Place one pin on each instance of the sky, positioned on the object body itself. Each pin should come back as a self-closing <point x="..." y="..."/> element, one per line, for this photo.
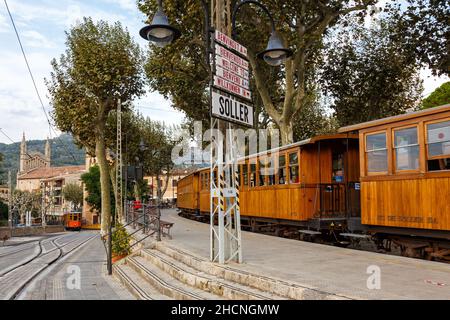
<point x="41" y="25"/>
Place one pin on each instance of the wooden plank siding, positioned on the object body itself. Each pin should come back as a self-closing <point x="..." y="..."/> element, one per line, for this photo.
<point x="411" y="198"/>
<point x="292" y="201"/>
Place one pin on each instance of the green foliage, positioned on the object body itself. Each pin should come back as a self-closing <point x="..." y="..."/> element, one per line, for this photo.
<point x="101" y="64"/>
<point x="73" y="192"/>
<point x="91" y="180"/>
<point x="424" y="26"/>
<point x="3" y="211"/>
<point x="369" y="74"/>
<point x="438" y="97"/>
<point x="120" y="241"/>
<point x="311" y="121"/>
<point x="179" y="71"/>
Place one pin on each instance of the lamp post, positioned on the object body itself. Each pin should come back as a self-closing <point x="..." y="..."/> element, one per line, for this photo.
<point x="276" y="53"/>
<point x="161" y="33"/>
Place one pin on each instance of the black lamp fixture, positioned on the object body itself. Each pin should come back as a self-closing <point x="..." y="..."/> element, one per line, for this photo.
<point x="160" y="32"/>
<point x="276" y="53"/>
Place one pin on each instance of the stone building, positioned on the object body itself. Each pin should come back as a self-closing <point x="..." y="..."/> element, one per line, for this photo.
<point x="37" y="175"/>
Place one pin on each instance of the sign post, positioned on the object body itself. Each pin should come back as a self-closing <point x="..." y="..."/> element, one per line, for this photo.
<point x="231" y="104"/>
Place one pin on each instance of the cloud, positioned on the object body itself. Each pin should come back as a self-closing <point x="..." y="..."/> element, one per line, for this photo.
<point x="35" y="39"/>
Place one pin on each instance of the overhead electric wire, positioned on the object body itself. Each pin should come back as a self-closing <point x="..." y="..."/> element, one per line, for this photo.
<point x="34" y="83"/>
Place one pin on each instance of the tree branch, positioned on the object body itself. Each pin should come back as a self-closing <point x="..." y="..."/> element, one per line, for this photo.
<point x="262" y="89"/>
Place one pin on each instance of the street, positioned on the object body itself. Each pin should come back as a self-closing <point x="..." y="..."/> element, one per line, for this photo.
<point x="69" y="265"/>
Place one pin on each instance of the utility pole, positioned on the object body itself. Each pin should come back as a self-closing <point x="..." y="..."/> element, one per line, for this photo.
<point x="10" y="222"/>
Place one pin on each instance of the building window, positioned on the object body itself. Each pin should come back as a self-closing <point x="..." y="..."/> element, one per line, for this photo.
<point x="376" y="153"/>
<point x="293" y="168"/>
<point x="282" y="169"/>
<point x="245" y="174"/>
<point x="406" y="149"/>
<point x="438" y="146"/>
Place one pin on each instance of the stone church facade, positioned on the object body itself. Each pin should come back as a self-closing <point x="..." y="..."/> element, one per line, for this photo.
<point x="37" y="175"/>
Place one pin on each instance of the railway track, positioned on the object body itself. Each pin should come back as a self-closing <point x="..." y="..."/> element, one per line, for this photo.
<point x="15" y="280"/>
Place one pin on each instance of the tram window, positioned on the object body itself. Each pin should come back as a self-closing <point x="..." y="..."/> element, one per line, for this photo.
<point x="293" y="168"/>
<point x="253" y="175"/>
<point x="376" y="152"/>
<point x="215" y="178"/>
<point x="282" y="169"/>
<point x="245" y="174"/>
<point x="271" y="170"/>
<point x="262" y="172"/>
<point x="438" y="146"/>
<point x="438" y="139"/>
<point x="406" y="149"/>
<point x="239" y="173"/>
<point x="338" y="167"/>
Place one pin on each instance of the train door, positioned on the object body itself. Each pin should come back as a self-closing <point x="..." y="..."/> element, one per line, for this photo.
<point x="344" y="175"/>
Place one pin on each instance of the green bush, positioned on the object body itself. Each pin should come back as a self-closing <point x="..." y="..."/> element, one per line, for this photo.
<point x="120" y="241"/>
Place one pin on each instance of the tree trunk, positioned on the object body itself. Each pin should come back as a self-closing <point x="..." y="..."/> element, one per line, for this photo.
<point x="286" y="132"/>
<point x="100" y="153"/>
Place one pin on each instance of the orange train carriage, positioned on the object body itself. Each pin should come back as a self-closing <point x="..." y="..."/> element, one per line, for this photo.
<point x="72" y="221"/>
<point x="389" y="179"/>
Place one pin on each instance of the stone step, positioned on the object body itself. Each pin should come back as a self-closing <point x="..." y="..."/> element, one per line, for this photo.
<point x="210" y="283"/>
<point x="277" y="287"/>
<point x="136" y="284"/>
<point x="166" y="284"/>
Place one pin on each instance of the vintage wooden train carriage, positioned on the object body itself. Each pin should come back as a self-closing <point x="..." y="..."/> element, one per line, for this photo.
<point x="405" y="173"/>
<point x="188" y="193"/>
<point x="313" y="183"/>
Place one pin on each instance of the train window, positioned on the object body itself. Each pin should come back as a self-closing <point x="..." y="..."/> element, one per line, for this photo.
<point x="438" y="139"/>
<point x="239" y="173"/>
<point x="252" y="174"/>
<point x="406" y="149"/>
<point x="262" y="171"/>
<point x="271" y="171"/>
<point x="376" y="152"/>
<point x="245" y="174"/>
<point x="282" y="169"/>
<point x="293" y="168"/>
<point x="438" y="146"/>
<point x="215" y="178"/>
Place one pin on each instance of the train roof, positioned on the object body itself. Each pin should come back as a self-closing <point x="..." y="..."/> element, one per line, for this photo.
<point x="406" y="116"/>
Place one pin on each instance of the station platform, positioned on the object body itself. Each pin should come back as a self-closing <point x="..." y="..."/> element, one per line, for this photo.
<point x="339" y="272"/>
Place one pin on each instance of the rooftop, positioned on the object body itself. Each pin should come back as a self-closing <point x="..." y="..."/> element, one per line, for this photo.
<point x="50" y="172"/>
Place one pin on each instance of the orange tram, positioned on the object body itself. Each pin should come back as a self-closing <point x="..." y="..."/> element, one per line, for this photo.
<point x="386" y="180"/>
<point x="72" y="221"/>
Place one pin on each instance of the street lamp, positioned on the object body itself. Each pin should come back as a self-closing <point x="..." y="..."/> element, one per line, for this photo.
<point x="160" y="32"/>
<point x="276" y="53"/>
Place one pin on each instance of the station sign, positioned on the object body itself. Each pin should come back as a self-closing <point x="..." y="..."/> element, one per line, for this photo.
<point x="231" y="82"/>
<point x="228" y="65"/>
<point x="230" y="43"/>
<point x="232" y="88"/>
<point x="227" y="193"/>
<point x="232" y="77"/>
<point x="230" y="109"/>
<point x="227" y="54"/>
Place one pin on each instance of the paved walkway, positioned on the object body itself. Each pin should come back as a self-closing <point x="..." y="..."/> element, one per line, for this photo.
<point x="332" y="269"/>
<point x="94" y="282"/>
